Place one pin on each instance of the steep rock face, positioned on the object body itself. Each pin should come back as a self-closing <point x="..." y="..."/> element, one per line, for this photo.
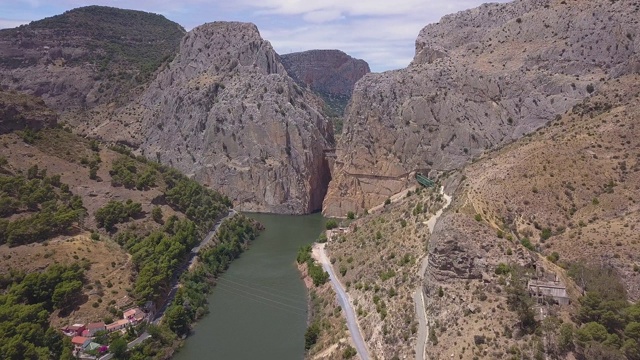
<point x="81" y="61"/>
<point x="331" y="73"/>
<point x="18" y="111"/>
<point x="226" y="112"/>
<point x="480" y="78"/>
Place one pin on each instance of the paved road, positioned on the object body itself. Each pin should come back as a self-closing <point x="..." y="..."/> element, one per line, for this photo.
<point x="320" y="255"/>
<point x="418" y="296"/>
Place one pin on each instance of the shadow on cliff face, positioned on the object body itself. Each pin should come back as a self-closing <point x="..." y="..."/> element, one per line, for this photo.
<point x="319" y="186"/>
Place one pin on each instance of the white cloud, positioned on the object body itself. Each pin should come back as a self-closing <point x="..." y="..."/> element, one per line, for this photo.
<point x="322" y="16"/>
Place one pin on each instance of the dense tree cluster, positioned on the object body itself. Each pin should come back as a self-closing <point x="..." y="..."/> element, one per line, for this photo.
<point x="124" y="172"/>
<point x="25" y="306"/>
<point x="317" y="274"/>
<point x="116" y="212"/>
<point x="233" y="237"/>
<point x="47" y="206"/>
<point x="610" y="325"/>
<point x="202" y="205"/>
<point x="158" y="255"/>
<point x="311" y="335"/>
<point x="190" y="302"/>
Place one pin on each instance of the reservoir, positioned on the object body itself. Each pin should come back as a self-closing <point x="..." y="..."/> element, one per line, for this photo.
<point x="258" y="309"/>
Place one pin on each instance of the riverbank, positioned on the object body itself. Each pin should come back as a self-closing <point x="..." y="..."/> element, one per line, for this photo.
<point x="258" y="307"/>
<point x="189" y="303"/>
<point x="327" y="336"/>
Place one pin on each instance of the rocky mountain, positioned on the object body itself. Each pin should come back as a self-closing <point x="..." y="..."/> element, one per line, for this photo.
<point x="20" y="111"/>
<point x="560" y="203"/>
<point x="226" y="112"/>
<point x="330" y="73"/>
<point x="480" y="79"/>
<point x="88" y="59"/>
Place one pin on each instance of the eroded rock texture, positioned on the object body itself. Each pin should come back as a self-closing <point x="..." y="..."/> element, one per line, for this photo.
<point x="480" y="78"/>
<point x="226" y="112"/>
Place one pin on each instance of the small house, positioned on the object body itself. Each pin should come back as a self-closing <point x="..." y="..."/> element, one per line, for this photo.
<point x="134" y="316"/>
<point x="73" y="330"/>
<point x="117" y="325"/>
<point x="93" y="328"/>
<point x="80" y="342"/>
<point x="541" y="289"/>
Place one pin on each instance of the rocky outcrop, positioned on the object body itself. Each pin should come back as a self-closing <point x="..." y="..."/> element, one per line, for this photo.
<point x="461" y="248"/>
<point x="480" y="78"/>
<point x="226" y="112"/>
<point x="19" y="111"/>
<point x="86" y="60"/>
<point x="330" y="73"/>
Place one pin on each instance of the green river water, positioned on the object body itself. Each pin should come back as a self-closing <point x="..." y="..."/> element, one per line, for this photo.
<point x="258" y="309"/>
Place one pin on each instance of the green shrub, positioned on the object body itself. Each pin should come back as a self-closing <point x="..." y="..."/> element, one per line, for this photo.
<point x="478" y="217"/>
<point x="331" y="224"/>
<point x="527" y="243"/>
<point x="311" y="335"/>
<point x="502" y="269"/>
<point x="156" y="214"/>
<point x="304" y="254"/>
<point x="317" y="274"/>
<point x="349" y="352"/>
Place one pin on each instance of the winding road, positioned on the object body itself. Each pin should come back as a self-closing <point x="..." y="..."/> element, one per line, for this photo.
<point x="320" y="255"/>
<point x="418" y="296"/>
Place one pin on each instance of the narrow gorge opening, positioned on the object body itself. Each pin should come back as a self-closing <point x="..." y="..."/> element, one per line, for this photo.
<point x="320" y="185"/>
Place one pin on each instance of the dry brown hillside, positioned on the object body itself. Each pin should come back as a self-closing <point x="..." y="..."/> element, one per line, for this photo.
<point x="570" y="191"/>
<point x="110" y="276"/>
<point x="378" y="258"/>
<point x="572" y="187"/>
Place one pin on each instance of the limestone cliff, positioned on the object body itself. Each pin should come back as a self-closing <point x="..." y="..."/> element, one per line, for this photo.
<point x="330" y="73"/>
<point x="226" y="112"/>
<point x="480" y="78"/>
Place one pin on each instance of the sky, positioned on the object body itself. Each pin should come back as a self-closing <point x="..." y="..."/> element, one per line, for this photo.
<point x="382" y="32"/>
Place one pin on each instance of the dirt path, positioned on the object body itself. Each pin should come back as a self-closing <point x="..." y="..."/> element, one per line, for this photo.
<point x="395" y="197"/>
<point x="320" y="255"/>
<point x="418" y="296"/>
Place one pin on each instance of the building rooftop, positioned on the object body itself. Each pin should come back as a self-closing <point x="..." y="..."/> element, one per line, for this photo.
<point x="79" y="340"/>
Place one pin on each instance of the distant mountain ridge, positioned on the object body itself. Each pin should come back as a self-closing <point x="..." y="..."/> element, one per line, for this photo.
<point x="86" y="58"/>
<point x="330" y="73"/>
